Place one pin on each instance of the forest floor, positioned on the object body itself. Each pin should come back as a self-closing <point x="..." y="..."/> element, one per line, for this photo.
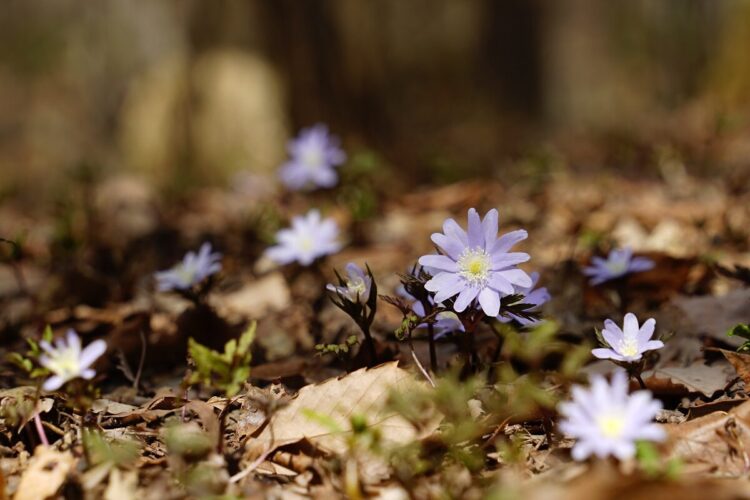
<point x="307" y="421"/>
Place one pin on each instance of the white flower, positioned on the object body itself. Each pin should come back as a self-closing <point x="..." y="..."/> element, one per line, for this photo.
<point x="606" y="420"/>
<point x="67" y="361"/>
<point x="309" y="237"/>
<point x="629" y="343"/>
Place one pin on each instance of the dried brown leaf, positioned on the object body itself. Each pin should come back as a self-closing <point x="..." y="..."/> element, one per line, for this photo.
<point x="359" y="393"/>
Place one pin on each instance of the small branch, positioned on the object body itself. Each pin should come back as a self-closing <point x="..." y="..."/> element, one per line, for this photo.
<point x="419" y="364"/>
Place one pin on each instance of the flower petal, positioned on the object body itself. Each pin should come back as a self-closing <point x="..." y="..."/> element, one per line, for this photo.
<point x="454" y="231"/>
<point x="489" y="229"/>
<point x="630" y="325"/>
<point x="490" y="302"/>
<point x="451" y="246"/>
<point x="465" y="297"/>
<point x="53" y="383"/>
<point x="506" y="241"/>
<point x="92" y="352"/>
<point x="646" y="331"/>
<point x="476" y="237"/>
<point x="442" y="262"/>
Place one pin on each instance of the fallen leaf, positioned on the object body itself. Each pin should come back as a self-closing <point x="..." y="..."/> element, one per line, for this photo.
<point x="719" y="441"/>
<point x="714" y="315"/>
<point x="45" y="474"/>
<point x="698" y="377"/>
<point x="255" y="299"/>
<point x="362" y="392"/>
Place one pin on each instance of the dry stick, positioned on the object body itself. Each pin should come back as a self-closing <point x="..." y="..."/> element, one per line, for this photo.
<point x="137" y="379"/>
<point x="419" y="364"/>
<point x="255" y="463"/>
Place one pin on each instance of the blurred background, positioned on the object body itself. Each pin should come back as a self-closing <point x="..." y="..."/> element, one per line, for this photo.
<point x="189" y="92"/>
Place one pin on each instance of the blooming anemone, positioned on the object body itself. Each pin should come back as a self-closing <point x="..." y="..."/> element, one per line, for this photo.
<point x="605" y="420"/>
<point x="357" y="285"/>
<point x="309" y="237"/>
<point x="314" y="156"/>
<point x="67" y="361"/>
<point x="629" y="343"/>
<point x="618" y="263"/>
<point x="194" y="268"/>
<point x="536" y="297"/>
<point x="475" y="264"/>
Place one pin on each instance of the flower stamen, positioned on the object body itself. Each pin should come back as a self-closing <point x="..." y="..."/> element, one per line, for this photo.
<point x="474" y="266"/>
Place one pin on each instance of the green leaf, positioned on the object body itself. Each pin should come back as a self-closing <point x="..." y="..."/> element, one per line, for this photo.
<point x="227" y="370"/>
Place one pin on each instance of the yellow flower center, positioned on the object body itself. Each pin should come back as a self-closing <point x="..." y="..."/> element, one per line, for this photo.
<point x="312" y="158"/>
<point x="474" y="266"/>
<point x="306" y="243"/>
<point x="356" y="287"/>
<point x="65" y="364"/>
<point x="617" y="267"/>
<point x="611" y="426"/>
<point x="629" y="347"/>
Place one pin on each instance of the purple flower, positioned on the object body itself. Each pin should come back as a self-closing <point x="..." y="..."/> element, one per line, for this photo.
<point x="445" y="322"/>
<point x="619" y="262"/>
<point x="314" y="156"/>
<point x="67" y="361"/>
<point x="630" y="343"/>
<point x="193" y="269"/>
<point x="536" y="297"/>
<point x="476" y="264"/>
<point x="606" y="420"/>
<point x="309" y="237"/>
<point x="357" y="287"/>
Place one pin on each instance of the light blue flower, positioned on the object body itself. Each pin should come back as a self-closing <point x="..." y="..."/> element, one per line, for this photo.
<point x="309" y="238"/>
<point x="629" y="343"/>
<point x="358" y="285"/>
<point x="618" y="263"/>
<point x="475" y="264"/>
<point x="67" y="361"/>
<point x="605" y="420"/>
<point x="536" y="297"/>
<point x="314" y="155"/>
<point x="194" y="268"/>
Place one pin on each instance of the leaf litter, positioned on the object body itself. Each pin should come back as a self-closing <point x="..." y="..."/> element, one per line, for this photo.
<point x="273" y="416"/>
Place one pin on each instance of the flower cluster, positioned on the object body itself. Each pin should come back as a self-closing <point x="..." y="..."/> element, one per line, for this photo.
<point x="475" y="264"/>
<point x="194" y="268"/>
<point x="605" y="420"/>
<point x="309" y="238"/>
<point x="618" y="263"/>
<point x="314" y="155"/>
<point x="67" y="361"/>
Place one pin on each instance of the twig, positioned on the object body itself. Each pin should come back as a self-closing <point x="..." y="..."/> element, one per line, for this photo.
<point x="256" y="463"/>
<point x="419" y="364"/>
<point x="137" y="379"/>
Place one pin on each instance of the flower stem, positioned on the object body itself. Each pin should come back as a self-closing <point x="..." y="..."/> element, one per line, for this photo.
<point x="40" y="429"/>
<point x="433" y="353"/>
